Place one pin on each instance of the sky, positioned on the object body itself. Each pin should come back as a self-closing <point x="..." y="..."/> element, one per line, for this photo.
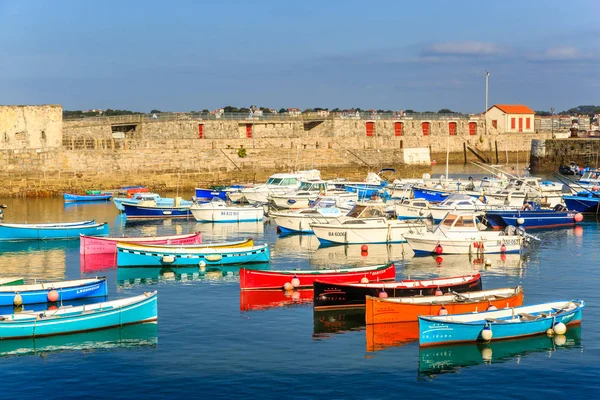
<point x="183" y="55"/>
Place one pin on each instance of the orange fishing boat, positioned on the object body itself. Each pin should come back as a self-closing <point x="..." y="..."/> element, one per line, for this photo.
<point x="407" y="309"/>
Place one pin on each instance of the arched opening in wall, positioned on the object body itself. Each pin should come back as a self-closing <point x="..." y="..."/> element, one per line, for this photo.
<point x="249" y="131"/>
<point x="425" y="128"/>
<point x="397" y="128"/>
<point x="370" y="128"/>
<point x="200" y="131"/>
<point x="452" y="128"/>
<point x="472" y="128"/>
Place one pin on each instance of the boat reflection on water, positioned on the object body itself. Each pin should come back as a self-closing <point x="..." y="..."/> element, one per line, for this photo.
<point x="90" y="263"/>
<point x="330" y="322"/>
<point x="35" y="259"/>
<point x="444" y="359"/>
<point x="127" y="277"/>
<point x="462" y="264"/>
<point x="126" y="337"/>
<point x="383" y="336"/>
<point x="291" y="249"/>
<point x="353" y="254"/>
<point x="216" y="232"/>
<point x="251" y="300"/>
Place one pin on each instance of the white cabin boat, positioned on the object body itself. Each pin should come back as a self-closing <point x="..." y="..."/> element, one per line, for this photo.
<point x="365" y="223"/>
<point x="324" y="209"/>
<point x="218" y="210"/>
<point x="518" y="189"/>
<point x="307" y="193"/>
<point x="277" y="184"/>
<point x="462" y="233"/>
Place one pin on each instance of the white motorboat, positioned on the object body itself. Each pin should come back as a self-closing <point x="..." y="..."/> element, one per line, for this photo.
<point x="324" y="209"/>
<point x="365" y="223"/>
<point x="519" y="189"/>
<point x="462" y="233"/>
<point x="307" y="193"/>
<point x="218" y="210"/>
<point x="277" y="184"/>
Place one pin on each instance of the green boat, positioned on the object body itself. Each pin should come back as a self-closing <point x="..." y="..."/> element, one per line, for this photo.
<point x="12" y="280"/>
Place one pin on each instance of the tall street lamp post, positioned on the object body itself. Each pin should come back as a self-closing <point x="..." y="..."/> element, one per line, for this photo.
<point x="552" y="121"/>
<point x="487" y="75"/>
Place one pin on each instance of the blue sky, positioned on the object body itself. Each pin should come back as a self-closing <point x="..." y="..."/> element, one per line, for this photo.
<point x="190" y="55"/>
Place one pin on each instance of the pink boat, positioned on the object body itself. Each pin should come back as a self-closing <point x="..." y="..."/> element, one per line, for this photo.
<point x="101" y="245"/>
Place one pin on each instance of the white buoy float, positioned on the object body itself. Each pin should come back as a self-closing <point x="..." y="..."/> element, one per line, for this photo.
<point x="520" y="221"/>
<point x="559" y="328"/>
<point x="492" y="308"/>
<point x="486" y="333"/>
<point x="443" y="311"/>
<point x="168" y="259"/>
<point x="383" y="294"/>
<point x="295" y="281"/>
<point x="364" y="279"/>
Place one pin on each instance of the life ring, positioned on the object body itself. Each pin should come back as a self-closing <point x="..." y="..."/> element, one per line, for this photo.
<point x="527" y="207"/>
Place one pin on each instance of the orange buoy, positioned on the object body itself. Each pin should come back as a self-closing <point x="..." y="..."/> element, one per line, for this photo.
<point x="53" y="296"/>
<point x="364" y="248"/>
<point x="578" y="217"/>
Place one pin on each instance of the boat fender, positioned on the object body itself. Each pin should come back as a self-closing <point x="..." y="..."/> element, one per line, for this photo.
<point x="288" y="287"/>
<point x="438" y="292"/>
<point x="443" y="311"/>
<point x="492" y="307"/>
<point x="578" y="217"/>
<point x="486" y="333"/>
<point x="559" y="328"/>
<point x="520" y="221"/>
<point x="202" y="264"/>
<point x="550" y="332"/>
<point x="439" y="249"/>
<point x="364" y="279"/>
<point x="502" y="248"/>
<point x="295" y="281"/>
<point x="17" y="300"/>
<point x="53" y="296"/>
<point x="168" y="259"/>
<point x="383" y="294"/>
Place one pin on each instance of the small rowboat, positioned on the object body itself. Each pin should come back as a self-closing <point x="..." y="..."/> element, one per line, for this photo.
<point x="11" y="281"/>
<point x="66" y="230"/>
<point x="407" y="309"/>
<point x="70" y="197"/>
<point x="341" y="295"/>
<point x="150" y="209"/>
<point x="133" y="255"/>
<point x="501" y="324"/>
<point x="89" y="317"/>
<point x="52" y="291"/>
<point x="98" y="245"/>
<point x="251" y="279"/>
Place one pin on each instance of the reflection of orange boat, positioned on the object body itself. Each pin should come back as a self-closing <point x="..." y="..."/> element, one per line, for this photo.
<point x="96" y="262"/>
<point x="382" y="336"/>
<point x="405" y="309"/>
<point x="264" y="299"/>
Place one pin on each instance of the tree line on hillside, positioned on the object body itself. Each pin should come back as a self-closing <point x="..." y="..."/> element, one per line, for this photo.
<point x="589" y="110"/>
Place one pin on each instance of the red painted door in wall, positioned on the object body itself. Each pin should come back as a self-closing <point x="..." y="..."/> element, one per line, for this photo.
<point x="200" y="131"/>
<point x="425" y="127"/>
<point x="472" y="128"/>
<point x="527" y="123"/>
<point x="452" y="128"/>
<point x="512" y="124"/>
<point x="398" y="128"/>
<point x="248" y="131"/>
<point x="370" y="127"/>
<point x="520" y="124"/>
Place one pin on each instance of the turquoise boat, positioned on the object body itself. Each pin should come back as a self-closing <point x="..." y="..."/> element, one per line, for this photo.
<point x="73" y="319"/>
<point x="507" y="323"/>
<point x="71" y="197"/>
<point x="443" y="359"/>
<point x="131" y="255"/>
<point x="61" y="230"/>
<point x="126" y="337"/>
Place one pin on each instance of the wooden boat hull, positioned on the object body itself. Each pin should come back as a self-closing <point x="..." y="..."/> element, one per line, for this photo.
<point x="16" y="232"/>
<point x="388" y="311"/>
<point x="343" y="295"/>
<point x="251" y="279"/>
<point x="66" y="290"/>
<point x="148" y="256"/>
<point x="70" y="197"/>
<point x="460" y="328"/>
<point x="102" y="245"/>
<point x="134" y="211"/>
<point x="90" y="317"/>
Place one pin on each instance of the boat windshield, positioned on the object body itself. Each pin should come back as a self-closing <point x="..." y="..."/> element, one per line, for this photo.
<point x="274" y="181"/>
<point x="356" y="211"/>
<point x="449" y="220"/>
<point x="465" y="221"/>
<point x="371" y="212"/>
<point x="288" y="182"/>
<point x="305" y="186"/>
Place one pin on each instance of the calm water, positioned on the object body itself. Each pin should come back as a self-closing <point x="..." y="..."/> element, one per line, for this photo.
<point x="204" y="345"/>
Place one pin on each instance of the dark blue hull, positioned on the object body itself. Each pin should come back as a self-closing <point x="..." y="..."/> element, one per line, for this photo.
<point x="531" y="219"/>
<point x="582" y="204"/>
<point x="431" y="195"/>
<point x="136" y="211"/>
<point x="202" y="193"/>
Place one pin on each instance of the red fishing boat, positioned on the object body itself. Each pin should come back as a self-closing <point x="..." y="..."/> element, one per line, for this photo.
<point x="257" y="280"/>
<point x="329" y="294"/>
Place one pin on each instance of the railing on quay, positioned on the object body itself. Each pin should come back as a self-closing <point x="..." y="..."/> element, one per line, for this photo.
<point x="367" y="116"/>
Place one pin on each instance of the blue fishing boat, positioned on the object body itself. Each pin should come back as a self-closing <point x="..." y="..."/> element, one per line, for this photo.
<point x="44" y="292"/>
<point x="432" y="195"/>
<point x="151" y="209"/>
<point x="66" y="230"/>
<point x="532" y="219"/>
<point x="131" y="255"/>
<point x="139" y="197"/>
<point x="89" y="317"/>
<point x="71" y="197"/>
<point x="586" y="201"/>
<point x="216" y="191"/>
<point x="507" y="323"/>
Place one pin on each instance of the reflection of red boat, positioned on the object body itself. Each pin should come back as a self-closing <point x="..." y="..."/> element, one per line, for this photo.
<point x="264" y="299"/>
<point x="252" y="279"/>
<point x="96" y="262"/>
<point x="382" y="336"/>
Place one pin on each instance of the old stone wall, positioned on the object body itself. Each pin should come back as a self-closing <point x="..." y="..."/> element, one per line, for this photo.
<point x="30" y="127"/>
<point x="548" y="155"/>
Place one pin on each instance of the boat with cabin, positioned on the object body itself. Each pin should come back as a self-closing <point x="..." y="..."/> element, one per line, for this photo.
<point x="136" y="198"/>
<point x="218" y="210"/>
<point x="276" y="184"/>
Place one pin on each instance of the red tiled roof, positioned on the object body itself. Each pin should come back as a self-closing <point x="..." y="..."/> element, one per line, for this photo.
<point x="513" y="108"/>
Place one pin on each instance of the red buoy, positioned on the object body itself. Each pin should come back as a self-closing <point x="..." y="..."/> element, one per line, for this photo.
<point x="439" y="249"/>
<point x="364" y="248"/>
<point x="52" y="296"/>
<point x="439" y="260"/>
<point x="578" y="217"/>
<point x="502" y="248"/>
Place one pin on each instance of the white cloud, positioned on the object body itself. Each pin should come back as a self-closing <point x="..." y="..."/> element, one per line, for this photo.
<point x="465" y="48"/>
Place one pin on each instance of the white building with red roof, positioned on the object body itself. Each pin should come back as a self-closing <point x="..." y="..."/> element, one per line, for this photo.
<point x="508" y="118"/>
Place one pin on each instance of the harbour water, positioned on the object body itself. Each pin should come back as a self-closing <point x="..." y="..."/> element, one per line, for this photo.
<point x="213" y="342"/>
